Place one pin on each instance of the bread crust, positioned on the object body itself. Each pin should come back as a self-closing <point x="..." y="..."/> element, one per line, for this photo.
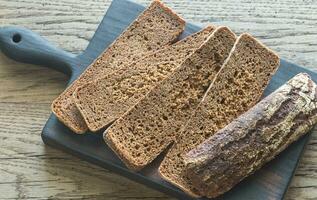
<point x="254" y="138"/>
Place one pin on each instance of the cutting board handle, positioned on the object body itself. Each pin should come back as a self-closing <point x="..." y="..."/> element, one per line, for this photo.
<point x="23" y="45"/>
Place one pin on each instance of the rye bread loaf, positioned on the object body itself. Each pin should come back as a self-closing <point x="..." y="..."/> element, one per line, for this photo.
<point x="237" y="87"/>
<point x="102" y="101"/>
<point x="146" y="130"/>
<point x="157" y="26"/>
<point x="254" y="138"/>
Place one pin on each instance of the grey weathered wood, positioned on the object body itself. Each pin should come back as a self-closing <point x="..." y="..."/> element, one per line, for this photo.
<point x="254" y="138"/>
<point x="289" y="27"/>
<point x="28" y="47"/>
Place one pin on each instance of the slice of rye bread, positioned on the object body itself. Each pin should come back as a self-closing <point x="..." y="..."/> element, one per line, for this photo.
<point x="238" y="86"/>
<point x="146" y="130"/>
<point x="157" y="26"/>
<point x="102" y="101"/>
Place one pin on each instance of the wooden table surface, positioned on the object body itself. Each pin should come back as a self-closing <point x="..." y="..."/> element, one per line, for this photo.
<point x="30" y="170"/>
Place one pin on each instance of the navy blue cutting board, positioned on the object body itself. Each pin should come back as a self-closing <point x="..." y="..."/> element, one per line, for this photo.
<point x="20" y="44"/>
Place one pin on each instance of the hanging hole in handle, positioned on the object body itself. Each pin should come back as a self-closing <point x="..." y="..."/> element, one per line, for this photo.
<point x="16" y="38"/>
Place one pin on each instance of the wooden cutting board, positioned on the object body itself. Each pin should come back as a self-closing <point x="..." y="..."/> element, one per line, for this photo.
<point x="271" y="182"/>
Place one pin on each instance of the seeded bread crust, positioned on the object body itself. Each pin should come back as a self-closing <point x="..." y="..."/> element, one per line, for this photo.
<point x="254" y="138"/>
<point x="157" y="26"/>
<point x="148" y="128"/>
<point x="238" y="86"/>
<point x="103" y="101"/>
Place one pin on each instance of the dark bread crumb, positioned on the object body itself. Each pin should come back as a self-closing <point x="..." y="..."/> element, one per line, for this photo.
<point x="157" y="26"/>
<point x="105" y="100"/>
<point x="238" y="86"/>
<point x="150" y="126"/>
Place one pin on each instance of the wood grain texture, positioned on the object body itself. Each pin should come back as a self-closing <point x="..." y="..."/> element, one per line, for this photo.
<point x="28" y="169"/>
